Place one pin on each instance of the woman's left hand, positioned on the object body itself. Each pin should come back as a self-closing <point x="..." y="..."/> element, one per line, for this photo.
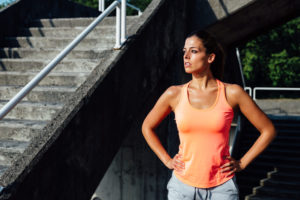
<point x="232" y="166"/>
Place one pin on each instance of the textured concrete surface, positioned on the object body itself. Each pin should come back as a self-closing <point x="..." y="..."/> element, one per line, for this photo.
<point x="233" y="22"/>
<point x="22" y="12"/>
<point x="280" y="107"/>
<point x="70" y="155"/>
<point x="19" y="65"/>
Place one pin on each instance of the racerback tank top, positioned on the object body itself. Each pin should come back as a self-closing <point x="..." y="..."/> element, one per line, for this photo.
<point x="204" y="139"/>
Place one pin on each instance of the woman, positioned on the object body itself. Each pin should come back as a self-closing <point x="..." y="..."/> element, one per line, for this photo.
<point x="203" y="107"/>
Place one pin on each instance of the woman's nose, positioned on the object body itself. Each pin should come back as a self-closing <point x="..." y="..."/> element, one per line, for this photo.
<point x="186" y="55"/>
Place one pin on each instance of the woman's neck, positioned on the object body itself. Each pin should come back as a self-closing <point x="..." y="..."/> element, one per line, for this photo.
<point x="202" y="81"/>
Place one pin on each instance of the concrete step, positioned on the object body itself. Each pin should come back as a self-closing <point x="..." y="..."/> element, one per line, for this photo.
<point x="13" y="146"/>
<point x="6" y="158"/>
<point x="280" y="159"/>
<point x="288" y="126"/>
<point x="275" y="145"/>
<point x="280" y="125"/>
<point x="36" y="65"/>
<point x="270" y="151"/>
<point x="284" y="176"/>
<point x="53" y="42"/>
<point x="10" y="149"/>
<point x="3" y="169"/>
<point x="287" y="135"/>
<point x="21" y="130"/>
<point x="292" y="184"/>
<point x="262" y="197"/>
<point x="32" y="111"/>
<point x="281" y="133"/>
<point x="66" y="31"/>
<point x="75" y="22"/>
<point x="70" y="79"/>
<point x="52" y="94"/>
<point x="282" y="167"/>
<point x="42" y="53"/>
<point x="277" y="192"/>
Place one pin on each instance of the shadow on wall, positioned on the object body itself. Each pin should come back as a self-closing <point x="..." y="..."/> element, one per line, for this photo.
<point x="207" y="14"/>
<point x="224" y="7"/>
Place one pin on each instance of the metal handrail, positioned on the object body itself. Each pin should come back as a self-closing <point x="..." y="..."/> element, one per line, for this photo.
<point x="101" y="7"/>
<point x="248" y="89"/>
<point x="135" y="8"/>
<point x="270" y="88"/>
<point x="29" y="86"/>
<point x="236" y="132"/>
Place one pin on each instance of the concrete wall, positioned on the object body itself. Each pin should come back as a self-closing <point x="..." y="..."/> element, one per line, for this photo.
<point x="73" y="152"/>
<point x="22" y="12"/>
<point x="235" y="21"/>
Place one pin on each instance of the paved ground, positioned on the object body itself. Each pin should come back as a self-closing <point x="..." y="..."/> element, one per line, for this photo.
<point x="280" y="107"/>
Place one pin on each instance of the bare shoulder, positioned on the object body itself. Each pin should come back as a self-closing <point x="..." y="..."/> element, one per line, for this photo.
<point x="234" y="93"/>
<point x="173" y="91"/>
<point x="233" y="90"/>
<point x="172" y="95"/>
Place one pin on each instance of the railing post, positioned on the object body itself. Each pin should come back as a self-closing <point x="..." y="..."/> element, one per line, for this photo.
<point x="101" y="5"/>
<point x="254" y="94"/>
<point x="118" y="27"/>
<point x="123" y="20"/>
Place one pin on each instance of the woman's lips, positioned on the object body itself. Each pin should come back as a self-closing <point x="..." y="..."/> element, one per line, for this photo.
<point x="187" y="64"/>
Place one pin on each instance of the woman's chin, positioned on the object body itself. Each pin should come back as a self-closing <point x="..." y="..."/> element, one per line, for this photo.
<point x="188" y="70"/>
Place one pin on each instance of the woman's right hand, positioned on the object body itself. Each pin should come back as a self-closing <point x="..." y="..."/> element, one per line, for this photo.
<point x="176" y="164"/>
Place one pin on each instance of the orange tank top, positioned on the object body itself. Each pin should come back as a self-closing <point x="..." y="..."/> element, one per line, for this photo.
<point x="204" y="139"/>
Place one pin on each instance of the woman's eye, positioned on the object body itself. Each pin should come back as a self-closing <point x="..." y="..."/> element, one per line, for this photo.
<point x="194" y="51"/>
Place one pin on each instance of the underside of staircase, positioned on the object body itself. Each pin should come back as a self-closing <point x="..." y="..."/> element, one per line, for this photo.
<point x="275" y="174"/>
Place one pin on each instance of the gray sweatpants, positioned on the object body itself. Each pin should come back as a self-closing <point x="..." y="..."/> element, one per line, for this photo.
<point x="180" y="191"/>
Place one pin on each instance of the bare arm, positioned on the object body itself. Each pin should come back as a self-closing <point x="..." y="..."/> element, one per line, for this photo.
<point x="162" y="108"/>
<point x="237" y="97"/>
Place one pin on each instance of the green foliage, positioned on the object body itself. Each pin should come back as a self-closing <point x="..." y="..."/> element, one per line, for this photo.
<point x="272" y="59"/>
<point x="141" y="4"/>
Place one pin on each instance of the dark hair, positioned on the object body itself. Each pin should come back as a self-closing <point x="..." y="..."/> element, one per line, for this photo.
<point x="212" y="46"/>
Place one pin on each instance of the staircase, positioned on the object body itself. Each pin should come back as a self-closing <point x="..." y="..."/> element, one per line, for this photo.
<point x="275" y="174"/>
<point x="23" y="55"/>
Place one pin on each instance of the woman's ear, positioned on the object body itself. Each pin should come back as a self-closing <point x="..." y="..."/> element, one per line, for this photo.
<point x="211" y="58"/>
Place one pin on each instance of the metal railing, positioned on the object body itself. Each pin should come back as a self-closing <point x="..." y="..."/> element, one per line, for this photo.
<point x="268" y="88"/>
<point x="120" y="7"/>
<point x="249" y="89"/>
<point x="102" y="7"/>
<point x="273" y="88"/>
<point x="135" y="8"/>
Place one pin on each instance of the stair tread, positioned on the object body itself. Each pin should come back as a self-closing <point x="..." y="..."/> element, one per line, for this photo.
<point x="55" y="38"/>
<point x="263" y="197"/>
<point x="292" y="175"/>
<point x="53" y="73"/>
<point x="67" y="28"/>
<point x="7" y="145"/>
<point x="35" y="104"/>
<point x="277" y="165"/>
<point x="274" y="191"/>
<point x="283" y="182"/>
<point x="40" y="88"/>
<point x="22" y="123"/>
<point x="46" y="61"/>
<point x="48" y="49"/>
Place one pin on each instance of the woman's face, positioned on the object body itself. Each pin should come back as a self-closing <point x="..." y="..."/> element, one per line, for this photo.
<point x="195" y="58"/>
